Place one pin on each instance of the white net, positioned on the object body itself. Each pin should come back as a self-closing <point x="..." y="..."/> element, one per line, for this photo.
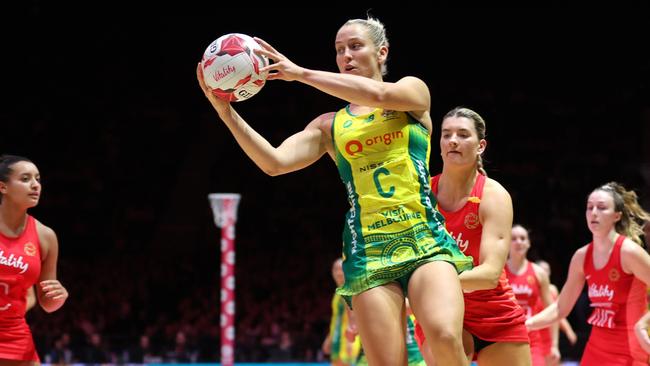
<point x="224" y="207"/>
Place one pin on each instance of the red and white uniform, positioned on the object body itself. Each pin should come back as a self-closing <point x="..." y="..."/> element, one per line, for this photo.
<point x="619" y="300"/>
<point x="527" y="290"/>
<point x="20" y="267"/>
<point x="491" y="315"/>
<point x="545" y="333"/>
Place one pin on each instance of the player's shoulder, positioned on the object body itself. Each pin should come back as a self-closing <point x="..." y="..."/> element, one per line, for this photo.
<point x="494" y="186"/>
<point x="629" y="246"/>
<point x="539" y="271"/>
<point x="44" y="231"/>
<point x="323" y="121"/>
<point x="495" y="192"/>
<point x="327" y="116"/>
<point x="413" y="80"/>
<point x="580" y="254"/>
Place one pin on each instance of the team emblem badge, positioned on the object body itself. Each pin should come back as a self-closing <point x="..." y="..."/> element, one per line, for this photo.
<point x="30" y="249"/>
<point x="471" y="221"/>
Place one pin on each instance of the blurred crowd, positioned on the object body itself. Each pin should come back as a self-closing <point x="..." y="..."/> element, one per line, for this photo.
<point x="137" y="308"/>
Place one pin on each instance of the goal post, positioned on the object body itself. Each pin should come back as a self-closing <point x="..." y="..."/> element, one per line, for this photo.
<point x="224" y="208"/>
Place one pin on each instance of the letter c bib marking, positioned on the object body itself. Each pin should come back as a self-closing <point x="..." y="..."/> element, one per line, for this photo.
<point x="380" y="190"/>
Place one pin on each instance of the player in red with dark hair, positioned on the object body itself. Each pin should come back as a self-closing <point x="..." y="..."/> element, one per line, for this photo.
<point x="478" y="214"/>
<point x="531" y="286"/>
<point x="617" y="271"/>
<point x="28" y="256"/>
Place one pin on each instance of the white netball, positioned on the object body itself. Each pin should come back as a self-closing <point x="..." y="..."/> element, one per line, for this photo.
<point x="231" y="68"/>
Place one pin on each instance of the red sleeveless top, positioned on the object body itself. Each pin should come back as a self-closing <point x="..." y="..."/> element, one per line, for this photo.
<point x="20" y="268"/>
<point x="492" y="315"/>
<point x="527" y="290"/>
<point x="618" y="300"/>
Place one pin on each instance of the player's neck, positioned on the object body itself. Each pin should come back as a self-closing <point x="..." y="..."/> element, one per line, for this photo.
<point x="457" y="182"/>
<point x="12" y="219"/>
<point x="516" y="264"/>
<point x="360" y="110"/>
<point x="605" y="241"/>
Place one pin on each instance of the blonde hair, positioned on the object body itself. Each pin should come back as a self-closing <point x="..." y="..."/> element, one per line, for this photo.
<point x="633" y="215"/>
<point x="377" y="34"/>
<point x="479" y="126"/>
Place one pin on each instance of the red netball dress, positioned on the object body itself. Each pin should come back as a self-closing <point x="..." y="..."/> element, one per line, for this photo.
<point x="491" y="315"/>
<point x="618" y="300"/>
<point x="20" y="267"/>
<point x="527" y="290"/>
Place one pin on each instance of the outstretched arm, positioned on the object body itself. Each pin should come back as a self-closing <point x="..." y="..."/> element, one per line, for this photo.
<point x="408" y="94"/>
<point x="495" y="213"/>
<point x="564" y="324"/>
<point x="296" y="152"/>
<point x="567" y="298"/>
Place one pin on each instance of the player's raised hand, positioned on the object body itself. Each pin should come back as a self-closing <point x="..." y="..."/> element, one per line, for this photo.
<point x="282" y="68"/>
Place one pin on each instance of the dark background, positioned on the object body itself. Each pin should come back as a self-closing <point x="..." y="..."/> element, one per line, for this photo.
<point x="107" y="105"/>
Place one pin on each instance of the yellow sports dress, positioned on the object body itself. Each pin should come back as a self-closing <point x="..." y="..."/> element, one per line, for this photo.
<point x="392" y="226"/>
<point x="341" y="349"/>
